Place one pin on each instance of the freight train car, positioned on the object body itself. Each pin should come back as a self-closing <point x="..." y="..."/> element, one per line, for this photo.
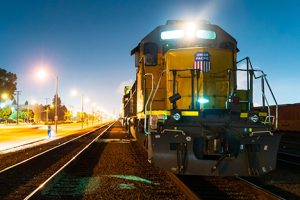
<point x="190" y="113"/>
<point x="288" y="117"/>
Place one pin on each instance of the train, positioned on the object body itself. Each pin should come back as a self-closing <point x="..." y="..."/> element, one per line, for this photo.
<point x="288" y="117"/>
<point x="187" y="109"/>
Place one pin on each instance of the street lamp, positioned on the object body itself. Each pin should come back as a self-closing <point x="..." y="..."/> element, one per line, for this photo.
<point x="83" y="100"/>
<point x="18" y="93"/>
<point x="93" y="107"/>
<point x="4" y="96"/>
<point x="42" y="74"/>
<point x="56" y="108"/>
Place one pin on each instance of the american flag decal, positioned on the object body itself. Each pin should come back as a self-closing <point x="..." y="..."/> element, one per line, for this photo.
<point x="202" y="61"/>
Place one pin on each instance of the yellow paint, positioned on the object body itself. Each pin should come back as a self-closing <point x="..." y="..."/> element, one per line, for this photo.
<point x="244" y="115"/>
<point x="212" y="84"/>
<point x="190" y="113"/>
<point x="154" y="113"/>
<point x="159" y="112"/>
<point x="140" y="116"/>
<point x="262" y="114"/>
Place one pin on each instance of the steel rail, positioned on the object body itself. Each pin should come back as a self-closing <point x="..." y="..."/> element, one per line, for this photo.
<point x="289" y="162"/>
<point x="65" y="165"/>
<point x="292" y="155"/>
<point x="267" y="192"/>
<point x="37" y="155"/>
<point x="184" y="188"/>
<point x="289" y="154"/>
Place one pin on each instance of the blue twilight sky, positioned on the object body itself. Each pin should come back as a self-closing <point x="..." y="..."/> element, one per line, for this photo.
<point x="87" y="43"/>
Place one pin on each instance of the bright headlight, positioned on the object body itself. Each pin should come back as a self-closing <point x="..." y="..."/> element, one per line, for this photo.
<point x="190" y="30"/>
<point x="206" y="34"/>
<point x="174" y="34"/>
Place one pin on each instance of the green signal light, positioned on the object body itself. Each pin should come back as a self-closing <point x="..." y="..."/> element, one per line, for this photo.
<point x="203" y="100"/>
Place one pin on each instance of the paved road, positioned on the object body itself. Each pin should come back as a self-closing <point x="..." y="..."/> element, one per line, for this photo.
<point x="12" y="136"/>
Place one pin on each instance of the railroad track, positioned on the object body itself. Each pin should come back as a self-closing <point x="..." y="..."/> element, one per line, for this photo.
<point x="20" y="179"/>
<point x="23" y="152"/>
<point x="289" y="158"/>
<point x="111" y="166"/>
<point x="289" y="149"/>
<point x="213" y="187"/>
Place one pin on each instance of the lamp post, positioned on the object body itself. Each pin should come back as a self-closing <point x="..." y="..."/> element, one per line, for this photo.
<point x="56" y="108"/>
<point x="82" y="111"/>
<point x="84" y="99"/>
<point x="93" y="106"/>
<point x="18" y="93"/>
<point x="42" y="74"/>
<point x="74" y="93"/>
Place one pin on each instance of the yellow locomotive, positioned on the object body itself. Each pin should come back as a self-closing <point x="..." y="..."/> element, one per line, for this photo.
<point x="187" y="110"/>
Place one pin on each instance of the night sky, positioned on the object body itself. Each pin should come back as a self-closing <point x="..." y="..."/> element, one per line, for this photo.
<point x="87" y="43"/>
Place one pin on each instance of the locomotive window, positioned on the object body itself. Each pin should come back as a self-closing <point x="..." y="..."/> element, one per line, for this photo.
<point x="150" y="52"/>
<point x="137" y="59"/>
<point x="206" y="34"/>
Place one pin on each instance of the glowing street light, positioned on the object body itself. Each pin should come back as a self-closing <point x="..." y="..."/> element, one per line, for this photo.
<point x="4" y="96"/>
<point x="74" y="92"/>
<point x="41" y="74"/>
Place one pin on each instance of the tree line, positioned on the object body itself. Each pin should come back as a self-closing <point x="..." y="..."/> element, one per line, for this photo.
<point x="8" y="86"/>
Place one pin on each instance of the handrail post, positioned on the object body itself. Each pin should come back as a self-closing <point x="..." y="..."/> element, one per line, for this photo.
<point x="263" y="81"/>
<point x="154" y="94"/>
<point x="145" y="110"/>
<point x="263" y="92"/>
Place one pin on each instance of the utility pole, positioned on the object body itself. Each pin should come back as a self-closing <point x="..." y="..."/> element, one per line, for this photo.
<point x="18" y="93"/>
<point x="82" y="111"/>
<point x="56" y="105"/>
<point x="27" y="112"/>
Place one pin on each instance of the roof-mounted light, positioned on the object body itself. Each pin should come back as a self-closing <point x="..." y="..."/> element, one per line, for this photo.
<point x="190" y="30"/>
<point x="206" y="34"/>
<point x="174" y="34"/>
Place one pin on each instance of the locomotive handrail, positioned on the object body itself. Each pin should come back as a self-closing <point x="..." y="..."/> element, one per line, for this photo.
<point x="276" y="104"/>
<point x="145" y="110"/>
<point x="269" y="118"/>
<point x="264" y="78"/>
<point x="154" y="94"/>
<point x="258" y="133"/>
<point x="130" y="98"/>
<point x="269" y="112"/>
<point x="174" y="130"/>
